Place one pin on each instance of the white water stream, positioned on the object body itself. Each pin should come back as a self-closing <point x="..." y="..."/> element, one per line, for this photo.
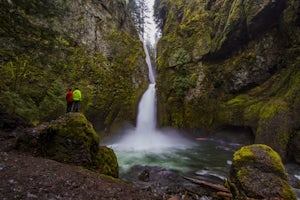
<point x="145" y="144"/>
<point x="146" y="136"/>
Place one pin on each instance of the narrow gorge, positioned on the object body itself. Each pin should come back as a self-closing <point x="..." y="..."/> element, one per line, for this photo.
<point x="173" y="88"/>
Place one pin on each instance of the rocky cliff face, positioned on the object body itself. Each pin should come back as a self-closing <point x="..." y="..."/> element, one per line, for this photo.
<point x="231" y="63"/>
<point x="48" y="47"/>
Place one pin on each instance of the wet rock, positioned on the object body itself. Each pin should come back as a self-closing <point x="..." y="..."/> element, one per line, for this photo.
<point x="70" y="139"/>
<point x="163" y="182"/>
<point x="145" y="175"/>
<point x="257" y="172"/>
<point x="294" y="149"/>
<point x="246" y="65"/>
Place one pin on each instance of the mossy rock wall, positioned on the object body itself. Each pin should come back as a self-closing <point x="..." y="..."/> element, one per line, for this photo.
<point x="294" y="153"/>
<point x="72" y="140"/>
<point x="257" y="172"/>
<point x="230" y="63"/>
<point x="49" y="47"/>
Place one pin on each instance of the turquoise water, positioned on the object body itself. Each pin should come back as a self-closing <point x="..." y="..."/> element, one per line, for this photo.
<point x="208" y="158"/>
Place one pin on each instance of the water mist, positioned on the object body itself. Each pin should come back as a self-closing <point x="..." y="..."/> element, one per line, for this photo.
<point x="146" y="136"/>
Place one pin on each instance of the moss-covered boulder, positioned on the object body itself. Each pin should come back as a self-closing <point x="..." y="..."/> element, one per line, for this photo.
<point x="70" y="139"/>
<point x="257" y="172"/>
<point x="107" y="162"/>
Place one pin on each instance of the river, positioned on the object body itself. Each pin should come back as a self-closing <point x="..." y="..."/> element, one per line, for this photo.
<point x="147" y="146"/>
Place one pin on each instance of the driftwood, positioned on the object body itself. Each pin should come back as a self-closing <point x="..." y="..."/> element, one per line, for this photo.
<point x="225" y="195"/>
<point x="215" y="187"/>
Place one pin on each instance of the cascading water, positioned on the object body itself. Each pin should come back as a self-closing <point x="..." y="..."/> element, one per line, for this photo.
<point x="146" y="136"/>
<point x="147" y="145"/>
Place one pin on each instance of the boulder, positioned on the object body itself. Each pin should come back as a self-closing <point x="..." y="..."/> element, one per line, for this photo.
<point x="164" y="182"/>
<point x="70" y="139"/>
<point x="257" y="172"/>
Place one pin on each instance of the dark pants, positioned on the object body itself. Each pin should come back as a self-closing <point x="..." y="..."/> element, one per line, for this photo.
<point x="69" y="106"/>
<point x="76" y="106"/>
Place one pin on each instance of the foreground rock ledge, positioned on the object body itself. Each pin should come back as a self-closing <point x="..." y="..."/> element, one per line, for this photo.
<point x="70" y="139"/>
<point x="28" y="177"/>
<point x="257" y="172"/>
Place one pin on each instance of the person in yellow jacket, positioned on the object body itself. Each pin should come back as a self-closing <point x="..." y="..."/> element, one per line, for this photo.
<point x="76" y="99"/>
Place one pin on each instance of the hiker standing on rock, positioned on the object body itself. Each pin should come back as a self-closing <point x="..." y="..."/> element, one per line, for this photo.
<point x="76" y="99"/>
<point x="69" y="99"/>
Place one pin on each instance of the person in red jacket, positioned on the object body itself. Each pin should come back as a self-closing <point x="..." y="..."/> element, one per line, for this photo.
<point x="69" y="99"/>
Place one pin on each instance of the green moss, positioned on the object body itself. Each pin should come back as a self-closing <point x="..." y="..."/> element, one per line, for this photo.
<point x="238" y="100"/>
<point x="273" y="107"/>
<point x="274" y="156"/>
<point x="251" y="113"/>
<point x="256" y="153"/>
<point x="72" y="140"/>
<point x="230" y="19"/>
<point x="75" y="127"/>
<point x="248" y="176"/>
<point x="39" y="44"/>
<point x="294" y="82"/>
<point x="241" y="110"/>
<point x="290" y="18"/>
<point x="243" y="154"/>
<point x="69" y="137"/>
<point x="106" y="160"/>
<point x="241" y="175"/>
<point x="180" y="57"/>
<point x="198" y="116"/>
<point x="78" y="126"/>
<point x="288" y="192"/>
<point x="229" y="93"/>
<point x="225" y="115"/>
<point x="257" y="171"/>
<point x="271" y="114"/>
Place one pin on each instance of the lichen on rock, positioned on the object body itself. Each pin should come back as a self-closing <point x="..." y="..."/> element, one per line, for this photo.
<point x="257" y="172"/>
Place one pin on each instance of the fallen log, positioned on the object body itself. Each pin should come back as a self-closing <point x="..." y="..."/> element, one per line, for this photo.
<point x="225" y="195"/>
<point x="215" y="187"/>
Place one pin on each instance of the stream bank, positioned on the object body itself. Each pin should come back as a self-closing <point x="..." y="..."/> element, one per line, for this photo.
<point x="209" y="159"/>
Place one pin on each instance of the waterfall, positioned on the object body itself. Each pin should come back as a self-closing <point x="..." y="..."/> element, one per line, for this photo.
<point x="146" y="136"/>
<point x="149" y="64"/>
<point x="146" y="119"/>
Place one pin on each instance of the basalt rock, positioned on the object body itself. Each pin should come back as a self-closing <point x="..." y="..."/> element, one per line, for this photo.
<point x="257" y="172"/>
<point x="231" y="63"/>
<point x="295" y="147"/>
<point x="164" y="182"/>
<point x="10" y="124"/>
<point x="70" y="139"/>
<point x="52" y="46"/>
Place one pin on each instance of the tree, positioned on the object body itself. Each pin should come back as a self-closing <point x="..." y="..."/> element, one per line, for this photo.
<point x="138" y="10"/>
